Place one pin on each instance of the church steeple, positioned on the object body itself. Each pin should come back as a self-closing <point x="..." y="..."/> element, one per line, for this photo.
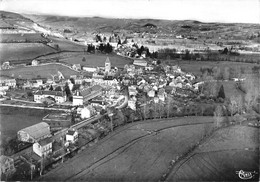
<point x="107" y="65"/>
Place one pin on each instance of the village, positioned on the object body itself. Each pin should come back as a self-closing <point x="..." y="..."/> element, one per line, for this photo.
<point x="88" y="107"/>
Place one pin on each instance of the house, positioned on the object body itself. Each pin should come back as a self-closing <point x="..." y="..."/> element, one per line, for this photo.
<point x="85" y="113"/>
<point x="140" y="63"/>
<point x="98" y="101"/>
<point x="89" y="69"/>
<point x="2" y="92"/>
<point x="7" y="81"/>
<point x="36" y="83"/>
<point x="132" y="90"/>
<point x="35" y="62"/>
<point x="34" y="133"/>
<point x="86" y="94"/>
<point x="58" y="121"/>
<point x="72" y="136"/>
<point x="151" y="93"/>
<point x="59" y="96"/>
<point x="43" y="147"/>
<point x="6" y="65"/>
<point x="161" y="94"/>
<point x="132" y="103"/>
<point x="76" y="67"/>
<point x="6" y="167"/>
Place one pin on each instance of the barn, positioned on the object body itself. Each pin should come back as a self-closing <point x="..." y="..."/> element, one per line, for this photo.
<point x="34" y="133"/>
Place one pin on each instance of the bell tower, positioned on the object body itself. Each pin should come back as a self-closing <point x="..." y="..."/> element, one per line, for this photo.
<point x="107" y="65"/>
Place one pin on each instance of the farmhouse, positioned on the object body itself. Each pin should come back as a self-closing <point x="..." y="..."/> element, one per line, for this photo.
<point x="43" y="147"/>
<point x="7" y="81"/>
<point x="6" y="166"/>
<point x="86" y="94"/>
<point x="76" y="67"/>
<point x="59" y="96"/>
<point x="34" y="133"/>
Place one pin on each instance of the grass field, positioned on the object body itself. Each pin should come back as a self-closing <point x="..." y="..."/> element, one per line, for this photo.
<point x="227" y="151"/>
<point x="13" y="119"/>
<point x="194" y="66"/>
<point x="132" y="152"/>
<point x="66" y="45"/>
<point x="91" y="59"/>
<point x="29" y="37"/>
<point x="22" y="51"/>
<point x="44" y="71"/>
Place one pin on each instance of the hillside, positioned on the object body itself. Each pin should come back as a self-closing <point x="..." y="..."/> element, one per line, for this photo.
<point x="138" y="151"/>
<point x="227" y="151"/>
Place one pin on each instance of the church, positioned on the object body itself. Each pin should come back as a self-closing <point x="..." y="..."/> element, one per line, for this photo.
<point x="107" y="65"/>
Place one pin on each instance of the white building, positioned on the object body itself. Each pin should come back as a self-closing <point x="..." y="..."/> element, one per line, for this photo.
<point x="72" y="136"/>
<point x="35" y="62"/>
<point x="85" y="113"/>
<point x="140" y="63"/>
<point x="89" y="69"/>
<point x="43" y="147"/>
<point x="59" y="96"/>
<point x="107" y="65"/>
<point x="7" y="81"/>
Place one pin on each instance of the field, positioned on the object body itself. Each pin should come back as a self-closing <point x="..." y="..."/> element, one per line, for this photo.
<point x="194" y="66"/>
<point x="91" y="59"/>
<point x="29" y="37"/>
<point x="16" y="52"/>
<point x="66" y="45"/>
<point x="13" y="119"/>
<point x="133" y="152"/>
<point x="44" y="71"/>
<point x="227" y="151"/>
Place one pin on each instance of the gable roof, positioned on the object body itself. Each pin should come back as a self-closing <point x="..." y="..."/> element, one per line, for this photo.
<point x="71" y="132"/>
<point x="107" y="60"/>
<point x="38" y="130"/>
<point x="45" y="141"/>
<point x="90" y="90"/>
<point x="48" y="92"/>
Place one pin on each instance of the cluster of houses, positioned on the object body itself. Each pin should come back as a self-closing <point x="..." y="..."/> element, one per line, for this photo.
<point x="97" y="92"/>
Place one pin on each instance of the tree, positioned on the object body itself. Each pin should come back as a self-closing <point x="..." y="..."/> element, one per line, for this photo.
<point x="83" y="59"/>
<point x="221" y="93"/>
<point x="57" y="47"/>
<point x="51" y="88"/>
<point x="232" y="105"/>
<point x="169" y="101"/>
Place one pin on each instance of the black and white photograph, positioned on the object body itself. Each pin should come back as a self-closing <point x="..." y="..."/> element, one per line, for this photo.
<point x="129" y="90"/>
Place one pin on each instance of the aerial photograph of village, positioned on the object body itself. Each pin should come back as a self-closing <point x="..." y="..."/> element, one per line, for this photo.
<point x="129" y="90"/>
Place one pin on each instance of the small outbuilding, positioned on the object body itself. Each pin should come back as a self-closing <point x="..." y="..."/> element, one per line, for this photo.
<point x="72" y="136"/>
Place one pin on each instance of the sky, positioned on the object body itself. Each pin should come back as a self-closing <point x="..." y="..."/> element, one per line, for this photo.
<point x="228" y="11"/>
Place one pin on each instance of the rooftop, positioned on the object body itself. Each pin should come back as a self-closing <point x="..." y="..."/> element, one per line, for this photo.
<point x="45" y="141"/>
<point x="37" y="130"/>
<point x="48" y="92"/>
